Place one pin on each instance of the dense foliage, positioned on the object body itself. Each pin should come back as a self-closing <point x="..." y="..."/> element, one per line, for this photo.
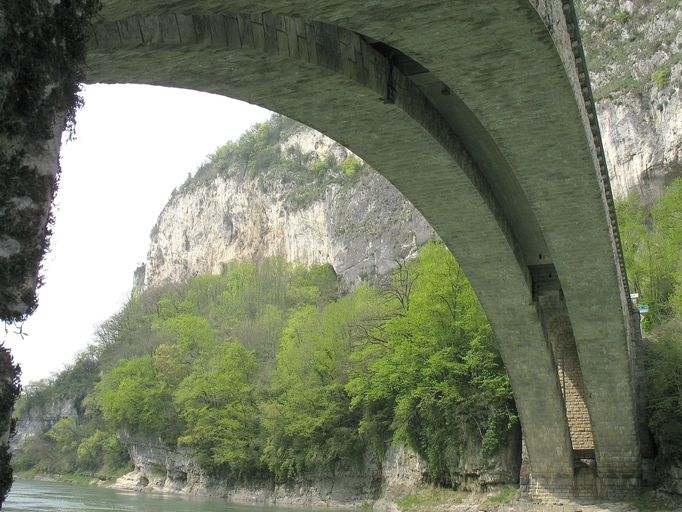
<point x="263" y="371"/>
<point x="431" y="374"/>
<point x="652" y="242"/>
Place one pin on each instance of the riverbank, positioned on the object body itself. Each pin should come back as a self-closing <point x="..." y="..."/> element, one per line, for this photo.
<point x="426" y="499"/>
<point x="69" y="478"/>
<point x="509" y="499"/>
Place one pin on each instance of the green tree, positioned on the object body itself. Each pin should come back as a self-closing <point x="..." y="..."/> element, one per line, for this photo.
<point x="308" y="420"/>
<point x="217" y="402"/>
<point x="90" y="452"/>
<point x="652" y="244"/>
<point x="432" y="370"/>
<point x="131" y="396"/>
<point x="65" y="436"/>
<point x="664" y="378"/>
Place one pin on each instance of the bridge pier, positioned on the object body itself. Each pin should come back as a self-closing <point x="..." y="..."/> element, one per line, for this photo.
<point x="592" y="477"/>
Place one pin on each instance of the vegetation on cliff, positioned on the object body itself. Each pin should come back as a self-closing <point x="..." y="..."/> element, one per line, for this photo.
<point x="631" y="46"/>
<point x="261" y="155"/>
<point x="265" y="372"/>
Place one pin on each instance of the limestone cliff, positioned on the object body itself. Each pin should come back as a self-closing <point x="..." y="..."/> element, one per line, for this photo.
<point x="634" y="52"/>
<point x="401" y="471"/>
<point x="39" y="419"/>
<point x="297" y="194"/>
<point x="158" y="468"/>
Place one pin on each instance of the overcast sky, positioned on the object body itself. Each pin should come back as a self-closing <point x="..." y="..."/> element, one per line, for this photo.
<point x="133" y="145"/>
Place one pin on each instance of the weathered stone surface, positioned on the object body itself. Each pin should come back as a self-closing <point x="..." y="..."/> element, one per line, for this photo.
<point x="158" y="468"/>
<point x="24" y="217"/>
<point x="40" y="419"/>
<point x="640" y="114"/>
<point x="642" y="140"/>
<point x="472" y="471"/>
<point x="403" y="471"/>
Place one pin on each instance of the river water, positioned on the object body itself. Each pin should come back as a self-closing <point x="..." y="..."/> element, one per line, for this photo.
<point x="37" y="496"/>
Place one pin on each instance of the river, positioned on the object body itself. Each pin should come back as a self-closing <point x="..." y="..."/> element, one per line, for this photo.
<point x="38" y="496"/>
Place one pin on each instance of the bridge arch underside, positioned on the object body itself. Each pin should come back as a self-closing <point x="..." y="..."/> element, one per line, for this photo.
<point x="483" y="135"/>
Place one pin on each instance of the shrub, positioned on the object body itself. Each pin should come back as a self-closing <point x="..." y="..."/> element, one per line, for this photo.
<point x="351" y="166"/>
<point x="622" y="16"/>
<point x="661" y="77"/>
<point x="664" y="379"/>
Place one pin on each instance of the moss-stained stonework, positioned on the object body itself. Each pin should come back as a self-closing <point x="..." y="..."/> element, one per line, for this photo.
<point x="42" y="54"/>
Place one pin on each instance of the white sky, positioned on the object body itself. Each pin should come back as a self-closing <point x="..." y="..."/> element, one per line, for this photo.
<point x="133" y="145"/>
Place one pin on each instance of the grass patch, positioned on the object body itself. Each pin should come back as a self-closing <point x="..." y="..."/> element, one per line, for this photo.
<point x="67" y="478"/>
<point x="622" y="16"/>
<point x="505" y="495"/>
<point x="429" y="499"/>
<point x="652" y="503"/>
<point x="661" y="77"/>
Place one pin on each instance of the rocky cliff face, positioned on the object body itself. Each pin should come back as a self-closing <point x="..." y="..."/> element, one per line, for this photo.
<point x="312" y="203"/>
<point x="40" y="419"/>
<point x="158" y="468"/>
<point x="402" y="471"/>
<point x="634" y="52"/>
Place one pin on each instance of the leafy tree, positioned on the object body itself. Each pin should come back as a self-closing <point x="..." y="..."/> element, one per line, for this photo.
<point x="652" y="243"/>
<point x="132" y="397"/>
<point x="432" y="369"/>
<point x="102" y="450"/>
<point x="65" y="438"/>
<point x="262" y="335"/>
<point x="192" y="333"/>
<point x="131" y="332"/>
<point x="668" y="217"/>
<point x="217" y="402"/>
<point x="664" y="378"/>
<point x="90" y="452"/>
<point x="308" y="421"/>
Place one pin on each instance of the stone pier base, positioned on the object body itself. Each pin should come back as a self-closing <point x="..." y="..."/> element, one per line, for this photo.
<point x="584" y="485"/>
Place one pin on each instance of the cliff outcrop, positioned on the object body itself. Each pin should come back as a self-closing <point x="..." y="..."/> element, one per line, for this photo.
<point x="400" y="472"/>
<point x="633" y="50"/>
<point x="39" y="419"/>
<point x="311" y="201"/>
<point x="160" y="469"/>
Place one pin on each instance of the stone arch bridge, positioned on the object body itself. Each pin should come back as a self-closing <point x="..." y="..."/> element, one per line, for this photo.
<point x="481" y="114"/>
